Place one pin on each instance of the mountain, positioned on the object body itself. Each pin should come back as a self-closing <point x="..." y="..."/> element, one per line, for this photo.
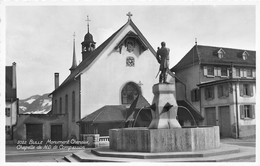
<point x="36" y="104"/>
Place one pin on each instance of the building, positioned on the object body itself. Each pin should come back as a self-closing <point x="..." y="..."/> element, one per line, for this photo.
<point x="11" y="100"/>
<point x="114" y="73"/>
<point x="221" y="83"/>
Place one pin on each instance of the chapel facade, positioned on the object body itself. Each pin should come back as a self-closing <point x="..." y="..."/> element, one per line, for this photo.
<point x="114" y="73"/>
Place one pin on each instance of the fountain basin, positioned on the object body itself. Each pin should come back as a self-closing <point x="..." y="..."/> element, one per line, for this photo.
<point x="164" y="140"/>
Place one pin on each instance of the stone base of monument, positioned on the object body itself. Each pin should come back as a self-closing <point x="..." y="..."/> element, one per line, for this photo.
<point x="164" y="140"/>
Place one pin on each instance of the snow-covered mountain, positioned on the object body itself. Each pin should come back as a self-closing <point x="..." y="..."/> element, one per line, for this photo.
<point x="36" y="104"/>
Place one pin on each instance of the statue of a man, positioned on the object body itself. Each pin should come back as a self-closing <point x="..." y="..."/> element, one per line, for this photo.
<point x="162" y="57"/>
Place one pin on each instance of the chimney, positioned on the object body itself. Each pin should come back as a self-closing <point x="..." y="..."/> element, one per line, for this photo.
<point x="56" y="80"/>
<point x="14" y="76"/>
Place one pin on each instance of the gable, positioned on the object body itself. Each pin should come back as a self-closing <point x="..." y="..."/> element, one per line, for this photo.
<point x="127" y="30"/>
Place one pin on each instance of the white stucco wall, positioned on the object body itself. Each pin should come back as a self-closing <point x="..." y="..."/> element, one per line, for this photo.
<point x="13" y="113"/>
<point x="101" y="84"/>
<point x="190" y="77"/>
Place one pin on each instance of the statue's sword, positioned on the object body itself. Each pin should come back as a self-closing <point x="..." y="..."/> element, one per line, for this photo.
<point x="157" y="73"/>
<point x="168" y="71"/>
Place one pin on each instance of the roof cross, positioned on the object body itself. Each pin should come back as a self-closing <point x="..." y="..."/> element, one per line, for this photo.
<point x="74" y="35"/>
<point x="88" y="22"/>
<point x="129" y="14"/>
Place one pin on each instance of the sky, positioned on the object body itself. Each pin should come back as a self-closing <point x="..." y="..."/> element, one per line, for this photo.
<point x="39" y="38"/>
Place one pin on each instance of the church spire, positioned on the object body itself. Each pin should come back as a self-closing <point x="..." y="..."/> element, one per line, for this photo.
<point x="74" y="61"/>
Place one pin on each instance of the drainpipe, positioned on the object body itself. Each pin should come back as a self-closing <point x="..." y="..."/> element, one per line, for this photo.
<point x="237" y="110"/>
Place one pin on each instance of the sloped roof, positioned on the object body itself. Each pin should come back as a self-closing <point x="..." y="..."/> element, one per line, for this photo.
<point x="208" y="55"/>
<point x="90" y="58"/>
<point x="138" y="103"/>
<point x="106" y="114"/>
<point x="183" y="114"/>
<point x="9" y="91"/>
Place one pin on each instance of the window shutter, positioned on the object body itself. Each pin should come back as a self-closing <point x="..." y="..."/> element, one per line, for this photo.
<point x="242" y="112"/>
<point x="205" y="70"/>
<point x="241" y="73"/>
<point x="206" y="93"/>
<point x="234" y="72"/>
<point x="198" y="95"/>
<point x="251" y="89"/>
<point x="226" y="90"/>
<point x="213" y="94"/>
<point x="219" y="91"/>
<point x="253" y="73"/>
<point x="215" y="71"/>
<point x="192" y="95"/>
<point x="245" y="75"/>
<point x="252" y="111"/>
<point x="219" y="71"/>
<point x="241" y="90"/>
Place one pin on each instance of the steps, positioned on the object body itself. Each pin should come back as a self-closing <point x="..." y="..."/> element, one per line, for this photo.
<point x="104" y="154"/>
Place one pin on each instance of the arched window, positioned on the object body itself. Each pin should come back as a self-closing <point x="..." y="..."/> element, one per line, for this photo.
<point x="73" y="106"/>
<point x="66" y="104"/>
<point x="60" y="105"/>
<point x="129" y="93"/>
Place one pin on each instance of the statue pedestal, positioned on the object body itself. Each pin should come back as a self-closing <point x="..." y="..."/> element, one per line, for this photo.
<point x="141" y="139"/>
<point x="165" y="111"/>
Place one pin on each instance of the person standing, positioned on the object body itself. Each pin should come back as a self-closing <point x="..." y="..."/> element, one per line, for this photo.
<point x="162" y="57"/>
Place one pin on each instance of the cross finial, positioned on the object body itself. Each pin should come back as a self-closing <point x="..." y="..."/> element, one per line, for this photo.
<point x="195" y="41"/>
<point x="129" y="14"/>
<point x="88" y="22"/>
<point x="74" y="35"/>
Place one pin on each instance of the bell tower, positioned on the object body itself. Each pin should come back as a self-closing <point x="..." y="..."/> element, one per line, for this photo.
<point x="88" y="45"/>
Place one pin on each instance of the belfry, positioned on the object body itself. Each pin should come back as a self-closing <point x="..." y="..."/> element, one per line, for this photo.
<point x="88" y="45"/>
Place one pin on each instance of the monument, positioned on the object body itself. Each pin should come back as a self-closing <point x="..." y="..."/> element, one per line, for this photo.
<point x="164" y="134"/>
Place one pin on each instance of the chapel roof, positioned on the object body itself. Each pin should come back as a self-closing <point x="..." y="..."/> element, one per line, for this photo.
<point x="209" y="55"/>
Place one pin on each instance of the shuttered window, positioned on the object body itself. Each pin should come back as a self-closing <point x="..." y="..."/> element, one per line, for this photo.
<point x="223" y="91"/>
<point x="195" y="95"/>
<point x="209" y="93"/>
<point x="249" y="73"/>
<point x="247" y="111"/>
<point x="237" y="72"/>
<point x="224" y="71"/>
<point x="246" y="90"/>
